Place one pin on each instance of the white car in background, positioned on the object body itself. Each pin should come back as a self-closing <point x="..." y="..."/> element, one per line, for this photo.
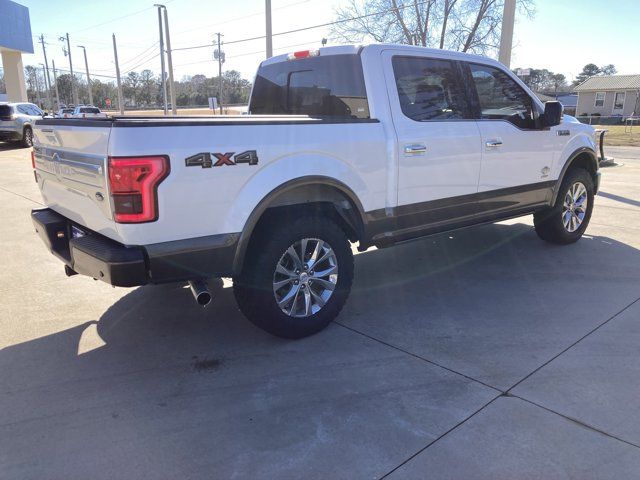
<point x="64" y="112"/>
<point x="87" y="111"/>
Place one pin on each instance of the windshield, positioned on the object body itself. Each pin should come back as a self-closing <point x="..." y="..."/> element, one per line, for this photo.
<point x="89" y="110"/>
<point x="316" y="86"/>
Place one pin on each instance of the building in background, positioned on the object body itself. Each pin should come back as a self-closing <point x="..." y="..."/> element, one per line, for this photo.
<point x="15" y="39"/>
<point x="609" y="96"/>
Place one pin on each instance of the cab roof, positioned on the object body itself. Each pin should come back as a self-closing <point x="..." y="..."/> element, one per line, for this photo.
<point x="379" y="47"/>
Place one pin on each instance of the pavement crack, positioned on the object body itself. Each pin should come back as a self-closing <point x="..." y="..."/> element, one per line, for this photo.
<point x="435" y="364"/>
<point x="460" y="423"/>
<point x="576" y="421"/>
<point x="20" y="195"/>
<point x="593" y="330"/>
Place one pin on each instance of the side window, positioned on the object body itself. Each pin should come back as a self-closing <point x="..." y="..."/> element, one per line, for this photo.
<point x="429" y="89"/>
<point x="23" y="109"/>
<point x="501" y="98"/>
<point x="599" y="99"/>
<point x="33" y="110"/>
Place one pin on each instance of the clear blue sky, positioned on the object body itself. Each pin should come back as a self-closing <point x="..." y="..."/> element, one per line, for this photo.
<point x="563" y="36"/>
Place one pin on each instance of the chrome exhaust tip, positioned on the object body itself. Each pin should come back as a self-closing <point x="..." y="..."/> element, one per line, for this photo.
<point x="200" y="292"/>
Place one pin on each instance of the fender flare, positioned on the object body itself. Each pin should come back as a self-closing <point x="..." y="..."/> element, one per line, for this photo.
<point x="576" y="153"/>
<point x="286" y="187"/>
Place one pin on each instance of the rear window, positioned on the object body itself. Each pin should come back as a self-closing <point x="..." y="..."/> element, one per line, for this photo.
<point x="89" y="110"/>
<point x="67" y="110"/>
<point x="316" y="86"/>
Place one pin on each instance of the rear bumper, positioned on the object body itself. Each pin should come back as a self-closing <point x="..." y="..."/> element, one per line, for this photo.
<point x="10" y="134"/>
<point x="104" y="259"/>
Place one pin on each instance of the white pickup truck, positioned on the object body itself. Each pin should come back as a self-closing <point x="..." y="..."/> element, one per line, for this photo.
<point x="376" y="145"/>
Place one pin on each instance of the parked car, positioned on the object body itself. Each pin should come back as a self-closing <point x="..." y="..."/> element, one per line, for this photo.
<point x="16" y="122"/>
<point x="87" y="111"/>
<point x="376" y="145"/>
<point x="64" y="113"/>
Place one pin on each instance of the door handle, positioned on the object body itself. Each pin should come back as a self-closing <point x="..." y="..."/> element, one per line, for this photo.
<point x="493" y="143"/>
<point x="415" y="149"/>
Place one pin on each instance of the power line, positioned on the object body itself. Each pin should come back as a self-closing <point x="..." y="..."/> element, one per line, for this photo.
<point x="239" y="18"/>
<point x="138" y="56"/>
<point x="335" y="22"/>
<point x="93" y="74"/>
<point x="153" y="57"/>
<point x="244" y="54"/>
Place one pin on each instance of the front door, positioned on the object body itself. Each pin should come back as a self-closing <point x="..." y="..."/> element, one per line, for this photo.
<point x="517" y="154"/>
<point x="437" y="138"/>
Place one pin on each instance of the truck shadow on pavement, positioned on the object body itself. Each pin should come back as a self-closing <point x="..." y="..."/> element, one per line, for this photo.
<point x="11" y="146"/>
<point x="157" y="379"/>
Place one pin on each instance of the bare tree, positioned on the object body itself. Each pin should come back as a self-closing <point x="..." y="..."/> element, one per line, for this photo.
<point x="447" y="8"/>
<point x="466" y="25"/>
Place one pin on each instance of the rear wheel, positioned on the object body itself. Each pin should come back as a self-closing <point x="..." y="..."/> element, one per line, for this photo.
<point x="27" y="137"/>
<point x="569" y="217"/>
<point x="296" y="276"/>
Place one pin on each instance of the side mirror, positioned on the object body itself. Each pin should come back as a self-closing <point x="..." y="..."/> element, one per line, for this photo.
<point x="552" y="114"/>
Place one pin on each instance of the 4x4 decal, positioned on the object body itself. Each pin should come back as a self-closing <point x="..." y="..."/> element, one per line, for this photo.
<point x="205" y="159"/>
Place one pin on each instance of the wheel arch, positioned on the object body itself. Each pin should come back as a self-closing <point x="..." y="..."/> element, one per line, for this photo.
<point x="583" y="157"/>
<point x="317" y="192"/>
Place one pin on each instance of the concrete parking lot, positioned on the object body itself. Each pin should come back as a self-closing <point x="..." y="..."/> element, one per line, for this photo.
<point x="485" y="353"/>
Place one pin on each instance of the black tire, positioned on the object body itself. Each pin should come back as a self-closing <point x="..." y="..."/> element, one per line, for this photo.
<point x="549" y="222"/>
<point x="27" y="137"/>
<point x="254" y="289"/>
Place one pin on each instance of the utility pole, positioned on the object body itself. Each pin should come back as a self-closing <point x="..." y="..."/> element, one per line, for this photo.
<point x="46" y="65"/>
<point x="48" y="90"/>
<point x="220" y="57"/>
<point x="172" y="92"/>
<point x="86" y="66"/>
<point x="35" y="77"/>
<point x="269" y="37"/>
<point x="55" y="82"/>
<point x="115" y="55"/>
<point x="506" y="36"/>
<point x="74" y="91"/>
<point x="164" y="80"/>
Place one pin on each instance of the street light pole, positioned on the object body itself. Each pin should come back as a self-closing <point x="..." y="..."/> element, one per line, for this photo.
<point x="269" y="37"/>
<point x="172" y="92"/>
<point x="164" y="80"/>
<point x="44" y="71"/>
<point x="55" y="82"/>
<point x="115" y="56"/>
<point x="86" y="66"/>
<point x="46" y="65"/>
<point x="220" y="60"/>
<point x="74" y="91"/>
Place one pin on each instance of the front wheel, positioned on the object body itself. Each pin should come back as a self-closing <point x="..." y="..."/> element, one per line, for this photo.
<point x="567" y="220"/>
<point x="296" y="277"/>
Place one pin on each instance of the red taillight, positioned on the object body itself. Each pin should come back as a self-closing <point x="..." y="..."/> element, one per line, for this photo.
<point x="303" y="54"/>
<point x="133" y="182"/>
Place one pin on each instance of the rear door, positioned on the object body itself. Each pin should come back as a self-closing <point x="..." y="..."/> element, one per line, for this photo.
<point x="438" y="140"/>
<point x="517" y="152"/>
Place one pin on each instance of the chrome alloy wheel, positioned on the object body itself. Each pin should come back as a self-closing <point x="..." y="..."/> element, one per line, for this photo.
<point x="575" y="207"/>
<point x="305" y="277"/>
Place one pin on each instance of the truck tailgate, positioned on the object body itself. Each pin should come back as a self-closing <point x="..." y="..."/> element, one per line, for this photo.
<point x="71" y="169"/>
